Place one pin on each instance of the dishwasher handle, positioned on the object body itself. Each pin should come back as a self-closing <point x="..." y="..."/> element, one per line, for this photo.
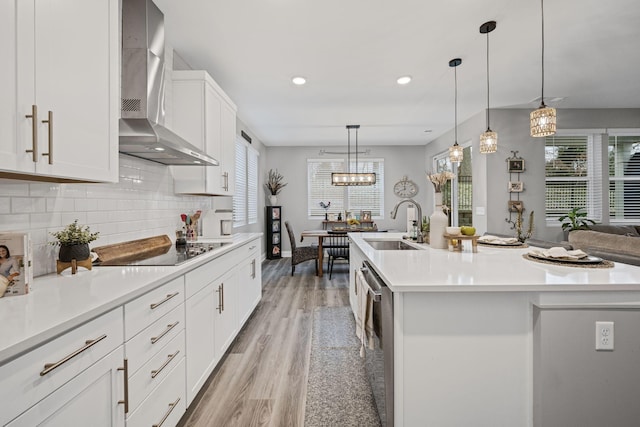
<point x="374" y="283"/>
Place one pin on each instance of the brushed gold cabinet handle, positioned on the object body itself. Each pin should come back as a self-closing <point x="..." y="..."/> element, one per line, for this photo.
<point x="253" y="269"/>
<point x="156" y="372"/>
<point x="222" y="293"/>
<point x="50" y="122"/>
<point x="34" y="132"/>
<point x="48" y="367"/>
<point x="165" y="332"/>
<point x="125" y="402"/>
<point x="171" y="406"/>
<point x="167" y="298"/>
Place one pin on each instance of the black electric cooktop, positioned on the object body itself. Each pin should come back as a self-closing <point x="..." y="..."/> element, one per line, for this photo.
<point x="174" y="255"/>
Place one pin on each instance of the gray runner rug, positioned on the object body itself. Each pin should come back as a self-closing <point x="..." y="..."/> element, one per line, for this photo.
<point x="338" y="393"/>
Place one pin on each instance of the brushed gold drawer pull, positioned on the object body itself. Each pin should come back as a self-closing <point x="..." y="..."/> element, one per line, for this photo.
<point x="167" y="298"/>
<point x="252" y="247"/>
<point x="48" y="367"/>
<point x="171" y="406"/>
<point x="156" y="372"/>
<point x="34" y="132"/>
<point x="165" y="332"/>
<point x="125" y="368"/>
<point x="50" y="122"/>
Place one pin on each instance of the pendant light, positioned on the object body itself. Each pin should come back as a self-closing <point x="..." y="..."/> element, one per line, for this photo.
<point x="455" y="151"/>
<point x="489" y="138"/>
<point x="543" y="120"/>
<point x="352" y="178"/>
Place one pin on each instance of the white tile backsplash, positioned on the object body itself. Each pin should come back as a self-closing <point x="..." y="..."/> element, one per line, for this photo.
<point x="141" y="205"/>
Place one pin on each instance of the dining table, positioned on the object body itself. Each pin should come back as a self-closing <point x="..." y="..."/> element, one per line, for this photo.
<point x="321" y="234"/>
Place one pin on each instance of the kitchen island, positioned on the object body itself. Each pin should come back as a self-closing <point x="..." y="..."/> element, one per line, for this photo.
<point x="494" y="339"/>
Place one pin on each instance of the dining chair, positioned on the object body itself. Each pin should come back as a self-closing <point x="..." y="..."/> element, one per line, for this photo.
<point x="302" y="253"/>
<point x="337" y="248"/>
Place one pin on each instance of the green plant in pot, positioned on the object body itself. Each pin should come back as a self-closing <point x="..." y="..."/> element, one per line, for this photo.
<point x="74" y="242"/>
<point x="575" y="219"/>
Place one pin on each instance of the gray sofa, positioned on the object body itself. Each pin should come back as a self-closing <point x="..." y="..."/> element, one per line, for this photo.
<point x="618" y="243"/>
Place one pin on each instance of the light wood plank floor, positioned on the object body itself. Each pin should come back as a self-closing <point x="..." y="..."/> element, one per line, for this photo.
<point x="262" y="381"/>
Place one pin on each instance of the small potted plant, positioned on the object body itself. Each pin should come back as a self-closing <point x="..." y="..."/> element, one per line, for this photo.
<point x="575" y="219"/>
<point x="74" y="242"/>
<point x="274" y="184"/>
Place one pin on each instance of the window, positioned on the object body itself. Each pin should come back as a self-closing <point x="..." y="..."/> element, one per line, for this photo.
<point x="624" y="177"/>
<point x="355" y="199"/>
<point x="573" y="175"/>
<point x="461" y="188"/>
<point x="245" y="197"/>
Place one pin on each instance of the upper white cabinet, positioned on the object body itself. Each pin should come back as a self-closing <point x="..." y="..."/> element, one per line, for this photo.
<point x="205" y="116"/>
<point x="59" y="119"/>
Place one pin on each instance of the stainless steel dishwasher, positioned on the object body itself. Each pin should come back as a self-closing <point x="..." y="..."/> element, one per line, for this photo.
<point x="379" y="360"/>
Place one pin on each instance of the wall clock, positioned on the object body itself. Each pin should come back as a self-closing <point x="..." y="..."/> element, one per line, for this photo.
<point x="405" y="188"/>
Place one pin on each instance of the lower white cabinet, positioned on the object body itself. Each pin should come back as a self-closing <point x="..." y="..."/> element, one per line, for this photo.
<point x="74" y="376"/>
<point x="226" y="314"/>
<point x="355" y="263"/>
<point x="249" y="283"/>
<point x="92" y="398"/>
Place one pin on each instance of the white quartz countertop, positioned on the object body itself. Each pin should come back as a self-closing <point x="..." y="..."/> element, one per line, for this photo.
<point x="491" y="269"/>
<point x="57" y="303"/>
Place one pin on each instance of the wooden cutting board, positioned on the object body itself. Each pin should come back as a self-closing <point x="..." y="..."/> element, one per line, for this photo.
<point x="133" y="250"/>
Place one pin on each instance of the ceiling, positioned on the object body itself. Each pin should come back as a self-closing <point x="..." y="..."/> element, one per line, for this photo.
<point x="352" y="52"/>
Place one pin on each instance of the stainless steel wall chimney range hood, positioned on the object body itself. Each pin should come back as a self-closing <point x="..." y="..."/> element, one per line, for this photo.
<point x="142" y="131"/>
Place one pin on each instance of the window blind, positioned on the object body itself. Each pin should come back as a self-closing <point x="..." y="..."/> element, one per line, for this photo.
<point x="371" y="197"/>
<point x="240" y="194"/>
<point x="319" y="188"/>
<point x="252" y="186"/>
<point x="573" y="174"/>
<point x="624" y="177"/>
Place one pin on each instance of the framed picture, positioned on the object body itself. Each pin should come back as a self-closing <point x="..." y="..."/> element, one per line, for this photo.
<point x="516" y="165"/>
<point x="366" y="215"/>
<point x="275" y="226"/>
<point x="275" y="213"/>
<point x="332" y="217"/>
<point x="516" y="186"/>
<point x="516" y="206"/>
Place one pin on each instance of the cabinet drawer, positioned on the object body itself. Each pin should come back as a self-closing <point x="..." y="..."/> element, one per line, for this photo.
<point x="166" y="402"/>
<point x="155" y="370"/>
<point x="33" y="376"/>
<point x="150" y="341"/>
<point x="151" y="306"/>
<point x="200" y="277"/>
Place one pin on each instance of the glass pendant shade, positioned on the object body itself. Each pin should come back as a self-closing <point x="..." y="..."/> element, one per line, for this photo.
<point x="352" y="178"/>
<point x="489" y="138"/>
<point x="488" y="142"/>
<point x="455" y="153"/>
<point x="543" y="121"/>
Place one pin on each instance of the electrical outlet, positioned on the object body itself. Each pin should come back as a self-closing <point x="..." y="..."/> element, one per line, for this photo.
<point x="604" y="336"/>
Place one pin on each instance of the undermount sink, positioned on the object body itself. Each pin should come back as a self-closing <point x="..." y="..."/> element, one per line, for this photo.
<point x="390" y="245"/>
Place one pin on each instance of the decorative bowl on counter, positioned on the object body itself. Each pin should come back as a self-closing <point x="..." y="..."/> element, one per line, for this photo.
<point x="453" y="231"/>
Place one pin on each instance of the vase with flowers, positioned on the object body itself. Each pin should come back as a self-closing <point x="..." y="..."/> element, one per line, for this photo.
<point x="274" y="184"/>
<point x="438" y="221"/>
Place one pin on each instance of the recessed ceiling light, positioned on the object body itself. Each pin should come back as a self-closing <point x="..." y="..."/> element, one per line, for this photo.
<point x="299" y="80"/>
<point x="158" y="148"/>
<point x="403" y="80"/>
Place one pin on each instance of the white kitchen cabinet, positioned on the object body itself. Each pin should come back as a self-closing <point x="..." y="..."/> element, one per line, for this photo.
<point x="226" y="314"/>
<point x="75" y="376"/>
<point x="249" y="282"/>
<point x="155" y="350"/>
<point x="60" y="118"/>
<point x="356" y="258"/>
<point x="93" y="398"/>
<point x="205" y="116"/>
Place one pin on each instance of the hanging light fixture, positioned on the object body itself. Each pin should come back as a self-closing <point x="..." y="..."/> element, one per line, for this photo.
<point x="352" y="178"/>
<point x="489" y="138"/>
<point x="455" y="151"/>
<point x="543" y="120"/>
